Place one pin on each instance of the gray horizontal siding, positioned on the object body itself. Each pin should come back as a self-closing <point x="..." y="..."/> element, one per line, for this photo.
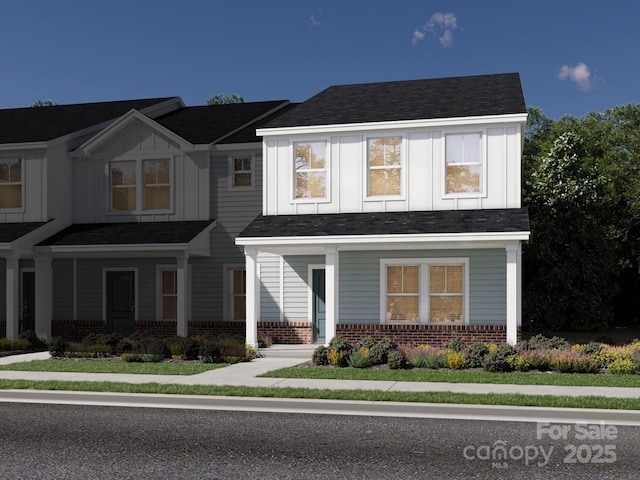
<point x="3" y="292"/>
<point x="62" y="289"/>
<point x="269" y="288"/>
<point x="296" y="293"/>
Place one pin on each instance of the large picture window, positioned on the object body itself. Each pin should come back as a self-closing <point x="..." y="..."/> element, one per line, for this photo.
<point x="463" y="158"/>
<point x="384" y="164"/>
<point x="424" y="290"/>
<point x="10" y="182"/>
<point x="310" y="170"/>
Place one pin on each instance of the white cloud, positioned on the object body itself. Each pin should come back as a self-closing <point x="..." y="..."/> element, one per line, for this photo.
<point x="314" y="22"/>
<point x="440" y="25"/>
<point x="580" y="74"/>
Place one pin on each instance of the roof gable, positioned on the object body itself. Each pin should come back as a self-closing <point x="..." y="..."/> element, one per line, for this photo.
<point x="472" y="96"/>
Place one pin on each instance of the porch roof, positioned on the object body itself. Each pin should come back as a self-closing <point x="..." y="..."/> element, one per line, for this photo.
<point x="143" y="238"/>
<point x="10" y="232"/>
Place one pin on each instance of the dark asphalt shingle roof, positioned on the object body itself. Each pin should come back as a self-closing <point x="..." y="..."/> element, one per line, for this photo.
<point x="248" y="134"/>
<point x="131" y="233"/>
<point x="478" y="95"/>
<point x="389" y="223"/>
<point x="13" y="231"/>
<point x="208" y="123"/>
<point x="39" y="124"/>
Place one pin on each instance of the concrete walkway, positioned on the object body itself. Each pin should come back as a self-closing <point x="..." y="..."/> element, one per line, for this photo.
<point x="281" y="356"/>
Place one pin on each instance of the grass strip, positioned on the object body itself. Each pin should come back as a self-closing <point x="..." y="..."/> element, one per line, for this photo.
<point x="104" y="366"/>
<point x="368" y="395"/>
<point x="455" y="376"/>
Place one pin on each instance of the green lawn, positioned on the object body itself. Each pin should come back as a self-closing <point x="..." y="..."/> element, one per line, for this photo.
<point x="112" y="366"/>
<point x="375" y="395"/>
<point x="462" y="376"/>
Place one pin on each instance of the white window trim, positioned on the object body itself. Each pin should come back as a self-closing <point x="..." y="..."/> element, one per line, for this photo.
<point x="483" y="166"/>
<point x="139" y="159"/>
<point x="159" y="270"/>
<point x="311" y="267"/>
<point x="227" y="268"/>
<point x="424" y="264"/>
<point x="403" y="169"/>
<point x="327" y="170"/>
<point x="21" y="208"/>
<point x="135" y="294"/>
<point x="231" y="174"/>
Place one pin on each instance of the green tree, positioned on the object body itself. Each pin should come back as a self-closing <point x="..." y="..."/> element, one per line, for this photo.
<point x="222" y="99"/>
<point x="44" y="103"/>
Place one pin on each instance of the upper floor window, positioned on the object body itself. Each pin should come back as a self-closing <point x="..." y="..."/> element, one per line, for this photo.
<point x="463" y="158"/>
<point x="157" y="184"/>
<point x="241" y="171"/>
<point x="310" y="180"/>
<point x="384" y="165"/>
<point x="10" y="182"/>
<point x="140" y="185"/>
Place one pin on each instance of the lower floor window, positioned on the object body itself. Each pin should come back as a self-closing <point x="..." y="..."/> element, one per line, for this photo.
<point x="424" y="290"/>
<point x="238" y="294"/>
<point x="169" y="295"/>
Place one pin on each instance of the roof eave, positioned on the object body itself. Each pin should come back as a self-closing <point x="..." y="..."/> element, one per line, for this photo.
<point x="392" y="125"/>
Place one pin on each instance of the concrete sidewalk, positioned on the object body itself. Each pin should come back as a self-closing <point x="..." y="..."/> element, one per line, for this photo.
<point x="281" y="356"/>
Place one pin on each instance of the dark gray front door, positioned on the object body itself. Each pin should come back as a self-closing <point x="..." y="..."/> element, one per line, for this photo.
<point x="319" y="312"/>
<point x="28" y="301"/>
<point x="121" y="305"/>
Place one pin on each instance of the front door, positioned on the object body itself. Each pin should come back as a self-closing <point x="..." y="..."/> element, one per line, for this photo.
<point x="28" y="302"/>
<point x="121" y="305"/>
<point x="319" y="313"/>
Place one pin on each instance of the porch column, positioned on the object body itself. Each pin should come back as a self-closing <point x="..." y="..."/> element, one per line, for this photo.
<point x="12" y="297"/>
<point x="514" y="306"/>
<point x="331" y="292"/>
<point x="183" y="291"/>
<point x="252" y="296"/>
<point x="44" y="296"/>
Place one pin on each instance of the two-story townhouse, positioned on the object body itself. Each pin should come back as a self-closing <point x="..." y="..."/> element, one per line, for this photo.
<point x="127" y="219"/>
<point x="391" y="210"/>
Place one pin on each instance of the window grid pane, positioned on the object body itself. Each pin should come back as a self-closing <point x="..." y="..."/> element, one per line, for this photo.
<point x="169" y="295"/>
<point x="157" y="184"/>
<point x="123" y="186"/>
<point x="446" y="293"/>
<point x="238" y="296"/>
<point x="384" y="165"/>
<point x="242" y="172"/>
<point x="11" y="183"/>
<point x="403" y="294"/>
<point x="10" y="196"/>
<point x="463" y="163"/>
<point x="310" y="168"/>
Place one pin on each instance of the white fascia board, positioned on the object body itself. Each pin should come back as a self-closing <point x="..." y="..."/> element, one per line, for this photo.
<point x="363" y="240"/>
<point x="87" y="148"/>
<point x="227" y="147"/>
<point x="143" y="250"/>
<point x="405" y="124"/>
<point x="24" y="146"/>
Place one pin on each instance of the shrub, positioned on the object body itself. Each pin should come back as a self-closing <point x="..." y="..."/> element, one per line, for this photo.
<point x="188" y="348"/>
<point x="58" y="347"/>
<point x="156" y="346"/>
<point x="425" y="356"/>
<point x="127" y="344"/>
<point x="264" y="341"/>
<point x="475" y="355"/>
<point x="540" y="342"/>
<point x="232" y="350"/>
<point x="34" y="341"/>
<point x="455" y="344"/>
<point x="360" y="358"/>
<point x="131" y="357"/>
<point x="455" y="360"/>
<point x="319" y="357"/>
<point x="209" y="353"/>
<point x="367" y="342"/>
<point x="341" y="345"/>
<point x="152" y="357"/>
<point x="7" y="345"/>
<point x="396" y="360"/>
<point x="537" y="359"/>
<point x="591" y="348"/>
<point x="622" y="366"/>
<point x="608" y="354"/>
<point x="110" y="339"/>
<point x="379" y="353"/>
<point x="570" y="361"/>
<point x="250" y="352"/>
<point x="335" y="358"/>
<point x="497" y="361"/>
<point x="519" y="362"/>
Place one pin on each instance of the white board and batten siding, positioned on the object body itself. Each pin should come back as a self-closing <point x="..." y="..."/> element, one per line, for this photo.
<point x="423" y="170"/>
<point x="189" y="173"/>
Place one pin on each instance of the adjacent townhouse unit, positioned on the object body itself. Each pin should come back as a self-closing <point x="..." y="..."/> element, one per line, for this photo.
<point x="386" y="209"/>
<point x="391" y="210"/>
<point x="121" y="216"/>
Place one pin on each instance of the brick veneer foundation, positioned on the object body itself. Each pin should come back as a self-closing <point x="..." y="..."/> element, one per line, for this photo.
<point x="286" y="332"/>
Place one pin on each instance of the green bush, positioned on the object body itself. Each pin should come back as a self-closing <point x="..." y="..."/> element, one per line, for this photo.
<point x="622" y="366"/>
<point x="360" y="358"/>
<point x="58" y="347"/>
<point x="209" y="353"/>
<point x="152" y="357"/>
<point x="570" y="361"/>
<point x="341" y="345"/>
<point x="264" y="341"/>
<point x="498" y="361"/>
<point x="379" y="352"/>
<point x="426" y="357"/>
<point x="319" y="356"/>
<point x="131" y="357"/>
<point x="156" y="346"/>
<point x="34" y="341"/>
<point x="188" y="348"/>
<point x="367" y="342"/>
<point x="396" y="360"/>
<point x="455" y="344"/>
<point x="232" y="350"/>
<point x="7" y="345"/>
<point x="475" y="355"/>
<point x="127" y="344"/>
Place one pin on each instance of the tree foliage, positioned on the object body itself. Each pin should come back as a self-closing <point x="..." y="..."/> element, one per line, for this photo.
<point x="222" y="99"/>
<point x="582" y="185"/>
<point x="44" y="103"/>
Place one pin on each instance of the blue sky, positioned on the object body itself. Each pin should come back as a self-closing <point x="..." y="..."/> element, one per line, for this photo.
<point x="573" y="57"/>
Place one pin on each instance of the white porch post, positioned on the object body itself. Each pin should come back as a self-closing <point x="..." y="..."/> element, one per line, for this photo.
<point x="44" y="296"/>
<point x="331" y="293"/>
<point x="182" y="289"/>
<point x="12" y="296"/>
<point x="252" y="296"/>
<point x="514" y="306"/>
